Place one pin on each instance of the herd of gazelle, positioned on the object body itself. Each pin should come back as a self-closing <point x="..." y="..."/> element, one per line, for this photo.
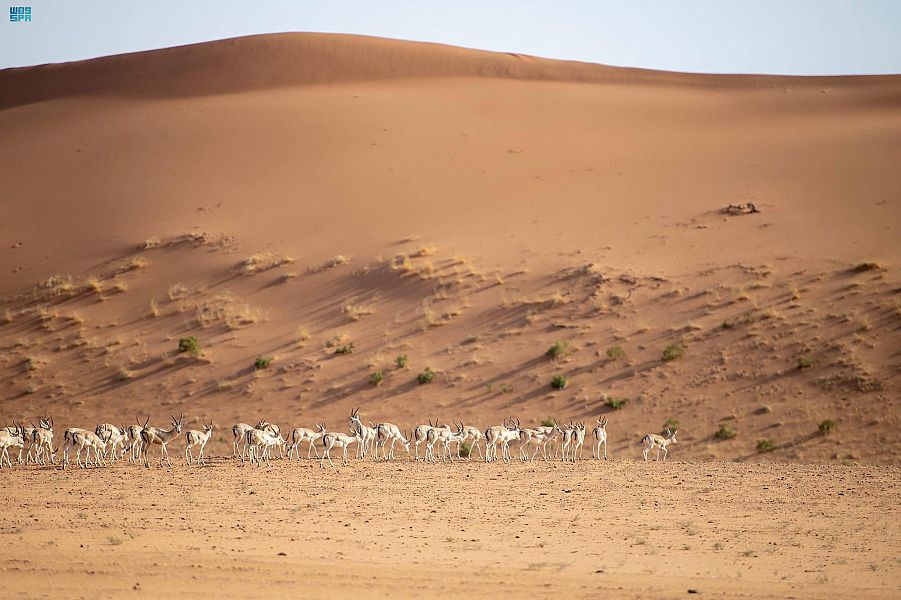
<point x="108" y="443"/>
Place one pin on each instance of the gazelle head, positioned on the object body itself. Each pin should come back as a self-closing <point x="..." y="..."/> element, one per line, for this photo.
<point x="321" y="428"/>
<point x="672" y="436"/>
<point x="459" y="427"/>
<point x="146" y="422"/>
<point x="207" y="427"/>
<point x="602" y="423"/>
<point x="513" y="424"/>
<point x="405" y="440"/>
<point x="47" y="423"/>
<point x="261" y="424"/>
<point x="177" y="423"/>
<point x="355" y="417"/>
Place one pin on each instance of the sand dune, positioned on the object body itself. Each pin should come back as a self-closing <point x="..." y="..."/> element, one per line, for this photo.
<point x="489" y="205"/>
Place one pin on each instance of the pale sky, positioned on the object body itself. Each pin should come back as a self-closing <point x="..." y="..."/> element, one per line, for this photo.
<point x="797" y="37"/>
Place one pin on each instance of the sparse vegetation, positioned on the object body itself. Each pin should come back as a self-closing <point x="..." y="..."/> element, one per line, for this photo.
<point x="465" y="449"/>
<point x="506" y="388"/>
<point x="672" y="352"/>
<point x="262" y="362"/>
<point x="377" y="378"/>
<point x="135" y="263"/>
<point x="727" y="325"/>
<point x="558" y="382"/>
<point x="154" y="308"/>
<point x="93" y="285"/>
<point x="805" y="362"/>
<point x="549" y="422"/>
<point x="558" y="350"/>
<point x="190" y="345"/>
<point x="356" y="311"/>
<point x="124" y="374"/>
<point x="401" y="361"/>
<point x="615" y="353"/>
<point x="331" y="263"/>
<point x="670" y="424"/>
<point x="867" y="266"/>
<point x="346" y="349"/>
<point x="765" y="445"/>
<point x="826" y="427"/>
<point x="426" y="376"/>
<point x="617" y="403"/>
<point x="724" y="432"/>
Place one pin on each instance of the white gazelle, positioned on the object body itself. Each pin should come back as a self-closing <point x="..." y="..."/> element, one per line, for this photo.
<point x="197" y="438"/>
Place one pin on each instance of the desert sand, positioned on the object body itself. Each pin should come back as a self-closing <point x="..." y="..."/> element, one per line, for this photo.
<point x="284" y="196"/>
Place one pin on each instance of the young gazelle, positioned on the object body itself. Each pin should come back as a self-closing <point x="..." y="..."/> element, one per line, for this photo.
<point x="652" y="439"/>
<point x="197" y="438"/>
<point x="301" y="434"/>
<point x="85" y="440"/>
<point x="259" y="441"/>
<point x="158" y="435"/>
<point x="386" y="432"/>
<point x="330" y="440"/>
<point x="600" y="437"/>
<point x="42" y="441"/>
<point x="10" y="437"/>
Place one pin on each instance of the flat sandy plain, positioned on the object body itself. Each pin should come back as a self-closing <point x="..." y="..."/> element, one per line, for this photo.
<point x="623" y="529"/>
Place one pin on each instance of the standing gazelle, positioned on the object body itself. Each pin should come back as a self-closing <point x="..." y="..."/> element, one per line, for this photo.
<point x="331" y="439"/>
<point x="365" y="434"/>
<point x="652" y="439"/>
<point x="299" y="435"/>
<point x="197" y="438"/>
<point x="158" y="435"/>
<point x="43" y="441"/>
<point x="135" y="443"/>
<point x="600" y="437"/>
<point x="11" y="437"/>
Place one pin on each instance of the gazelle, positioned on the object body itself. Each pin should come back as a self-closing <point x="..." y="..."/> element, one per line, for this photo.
<point x="470" y="433"/>
<point x="567" y="437"/>
<point x="259" y="441"/>
<point x="197" y="438"/>
<point x="365" y="434"/>
<point x="550" y="432"/>
<point x="578" y="441"/>
<point x="532" y="437"/>
<point x="386" y="432"/>
<point x="420" y="435"/>
<point x="600" y="437"/>
<point x="441" y="436"/>
<point x="301" y="434"/>
<point x="115" y="437"/>
<point x="330" y="440"/>
<point x="135" y="443"/>
<point x="652" y="439"/>
<point x="85" y="440"/>
<point x="274" y="430"/>
<point x="42" y="441"/>
<point x="11" y="437"/>
<point x="29" y="444"/>
<point x="501" y="435"/>
<point x="158" y="435"/>
<point x="240" y="432"/>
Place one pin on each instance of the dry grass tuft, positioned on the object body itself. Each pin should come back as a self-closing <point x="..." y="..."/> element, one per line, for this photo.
<point x="154" y="308"/>
<point x="356" y="311"/>
<point x="93" y="285"/>
<point x="151" y="242"/>
<point x="178" y="291"/>
<point x="135" y="264"/>
<point x="263" y="262"/>
<point x="57" y="285"/>
<point x="335" y="261"/>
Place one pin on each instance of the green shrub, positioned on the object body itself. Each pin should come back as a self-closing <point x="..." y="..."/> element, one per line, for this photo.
<point x="617" y="403"/>
<point x="427" y="376"/>
<point x="262" y="362"/>
<point x="728" y="324"/>
<point x="557" y="350"/>
<point x="558" y="382"/>
<point x="549" y="422"/>
<point x="670" y="424"/>
<point x="190" y="345"/>
<point x="765" y="445"/>
<point x="347" y="349"/>
<point x="672" y="352"/>
<point x="724" y="432"/>
<point x="805" y="362"/>
<point x="506" y="388"/>
<point x="377" y="378"/>
<point x="827" y="426"/>
<point x="615" y="352"/>
<point x="401" y="361"/>
<point x="465" y="449"/>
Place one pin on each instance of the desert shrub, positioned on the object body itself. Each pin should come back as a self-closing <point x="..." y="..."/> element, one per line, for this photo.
<point x="558" y="382"/>
<point x="401" y="361"/>
<point x="670" y="424"/>
<point x="672" y="352"/>
<point x="190" y="345"/>
<point x="549" y="422"/>
<point x="728" y="324"/>
<point x="826" y="427"/>
<point x="866" y="266"/>
<point x="557" y="350"/>
<point x="724" y="432"/>
<point x="377" y="378"/>
<point x="506" y="388"/>
<point x="617" y="403"/>
<point x="346" y="349"/>
<point x="426" y="376"/>
<point x="615" y="352"/>
<point x="805" y="362"/>
<point x="765" y="445"/>
<point x="262" y="362"/>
